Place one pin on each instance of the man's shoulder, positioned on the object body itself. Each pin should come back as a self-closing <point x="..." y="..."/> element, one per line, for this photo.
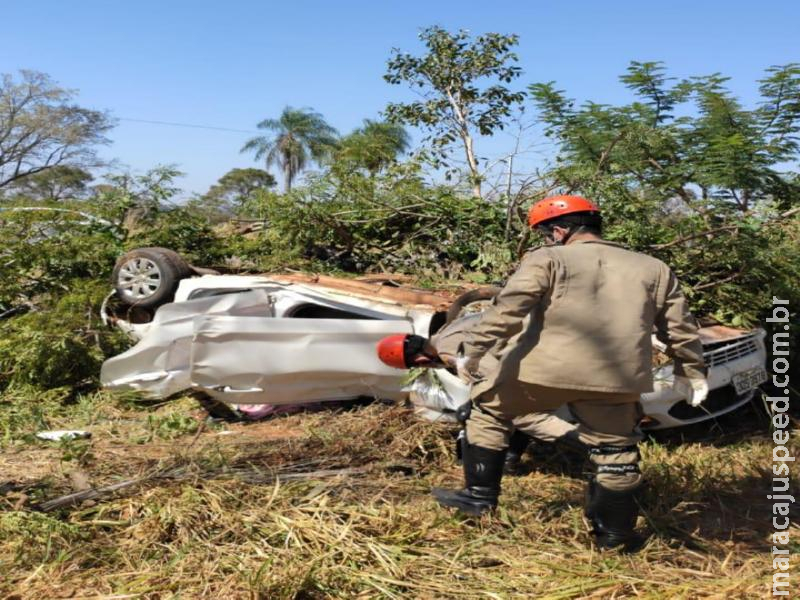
<point x="642" y="260"/>
<point x="545" y="253"/>
<point x="642" y="257"/>
<point x="539" y="254"/>
<point x="615" y="251"/>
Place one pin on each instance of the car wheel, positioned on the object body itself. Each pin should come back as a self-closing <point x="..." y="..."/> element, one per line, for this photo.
<point x="483" y="294"/>
<point x="148" y="277"/>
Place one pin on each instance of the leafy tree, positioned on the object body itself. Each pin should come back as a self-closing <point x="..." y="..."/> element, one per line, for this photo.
<point x="392" y="221"/>
<point x="133" y="201"/>
<point x="300" y="136"/>
<point x="241" y="183"/>
<point x="54" y="184"/>
<point x="184" y="229"/>
<point x="63" y="345"/>
<point x="40" y="128"/>
<point x="44" y="253"/>
<point x="461" y="81"/>
<point x="374" y="146"/>
<point x="142" y="212"/>
<point x="687" y="173"/>
<point x="233" y="191"/>
<point x="232" y="194"/>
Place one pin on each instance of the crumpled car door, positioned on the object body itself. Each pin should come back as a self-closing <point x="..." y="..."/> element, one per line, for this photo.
<point x="158" y="365"/>
<point x="243" y="360"/>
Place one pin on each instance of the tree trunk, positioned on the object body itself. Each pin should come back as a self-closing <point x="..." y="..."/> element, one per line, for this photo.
<point x="510" y="204"/>
<point x="466" y="138"/>
<point x="287" y="178"/>
<point x="473" y="164"/>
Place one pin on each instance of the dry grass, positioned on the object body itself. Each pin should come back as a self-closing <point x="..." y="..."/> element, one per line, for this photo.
<point x="336" y="505"/>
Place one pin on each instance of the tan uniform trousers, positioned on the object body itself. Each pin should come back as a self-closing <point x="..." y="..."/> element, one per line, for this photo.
<point x="604" y="420"/>
<point x="545" y="426"/>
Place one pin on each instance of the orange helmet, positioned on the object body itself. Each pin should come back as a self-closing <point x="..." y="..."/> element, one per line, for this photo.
<point x="403" y="351"/>
<point x="391" y="351"/>
<point x="558" y="206"/>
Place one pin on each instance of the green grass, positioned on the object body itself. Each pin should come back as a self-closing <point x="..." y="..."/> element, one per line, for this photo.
<point x="337" y="505"/>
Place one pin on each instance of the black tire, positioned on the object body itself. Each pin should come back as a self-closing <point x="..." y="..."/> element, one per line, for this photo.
<point x="479" y="295"/>
<point x="148" y="277"/>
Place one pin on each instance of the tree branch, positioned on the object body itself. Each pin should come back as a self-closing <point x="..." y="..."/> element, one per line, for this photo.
<point x="709" y="284"/>
<point x="724" y="229"/>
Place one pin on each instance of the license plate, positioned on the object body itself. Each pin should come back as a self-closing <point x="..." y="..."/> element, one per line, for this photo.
<point x="748" y="380"/>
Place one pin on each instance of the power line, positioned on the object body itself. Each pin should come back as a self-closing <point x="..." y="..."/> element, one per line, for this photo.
<point x="190" y="125"/>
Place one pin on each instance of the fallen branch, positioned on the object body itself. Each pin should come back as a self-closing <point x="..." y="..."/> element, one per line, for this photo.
<point x="248" y="475"/>
<point x="11" y="311"/>
<point x="724" y="229"/>
<point x="709" y="284"/>
<point x="90" y="494"/>
<point x="686" y="238"/>
<point x="62" y="210"/>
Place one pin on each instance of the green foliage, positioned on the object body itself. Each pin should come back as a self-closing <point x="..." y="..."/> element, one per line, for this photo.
<point x="33" y="537"/>
<point x="392" y="221"/>
<point x="301" y="136"/>
<point x="78" y="451"/>
<point x="185" y="229"/>
<point x="43" y="252"/>
<point x="462" y="82"/>
<point x="62" y="343"/>
<point x="171" y="425"/>
<point x="372" y="147"/>
<point x="129" y="200"/>
<point x="688" y="174"/>
<point x="56" y="183"/>
<point x="25" y="409"/>
<point x="236" y="187"/>
<point x="41" y="128"/>
<point x="142" y="212"/>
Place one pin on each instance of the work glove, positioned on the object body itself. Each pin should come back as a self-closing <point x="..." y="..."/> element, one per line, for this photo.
<point x="695" y="390"/>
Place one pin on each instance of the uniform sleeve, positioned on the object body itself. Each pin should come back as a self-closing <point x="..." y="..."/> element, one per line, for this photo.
<point x="677" y="328"/>
<point x="503" y="318"/>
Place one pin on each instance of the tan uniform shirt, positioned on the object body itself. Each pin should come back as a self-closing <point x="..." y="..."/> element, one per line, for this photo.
<point x="581" y="317"/>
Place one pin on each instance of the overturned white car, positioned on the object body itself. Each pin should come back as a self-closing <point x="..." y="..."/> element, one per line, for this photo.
<point x="294" y="339"/>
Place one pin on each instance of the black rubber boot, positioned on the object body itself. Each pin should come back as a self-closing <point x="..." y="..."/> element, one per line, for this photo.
<point x="518" y="443"/>
<point x="483" y="470"/>
<point x="460" y="440"/>
<point x="613" y="516"/>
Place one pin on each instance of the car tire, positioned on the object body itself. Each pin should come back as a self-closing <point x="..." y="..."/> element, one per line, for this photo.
<point x="148" y="277"/>
<point x="478" y="295"/>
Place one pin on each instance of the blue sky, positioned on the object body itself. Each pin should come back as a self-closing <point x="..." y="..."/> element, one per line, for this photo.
<point x="231" y="64"/>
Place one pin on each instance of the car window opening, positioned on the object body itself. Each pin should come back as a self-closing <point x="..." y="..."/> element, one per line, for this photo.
<point x="208" y="293"/>
<point x="438" y="320"/>
<point x="316" y="311"/>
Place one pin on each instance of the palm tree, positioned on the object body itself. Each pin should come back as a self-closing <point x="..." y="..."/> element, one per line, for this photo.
<point x="300" y="136"/>
<point x="374" y="146"/>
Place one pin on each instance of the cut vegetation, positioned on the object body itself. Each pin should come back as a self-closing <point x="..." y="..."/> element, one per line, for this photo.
<point x="336" y="504"/>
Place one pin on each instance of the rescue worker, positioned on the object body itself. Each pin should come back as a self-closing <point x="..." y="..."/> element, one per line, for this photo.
<point x="573" y="326"/>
